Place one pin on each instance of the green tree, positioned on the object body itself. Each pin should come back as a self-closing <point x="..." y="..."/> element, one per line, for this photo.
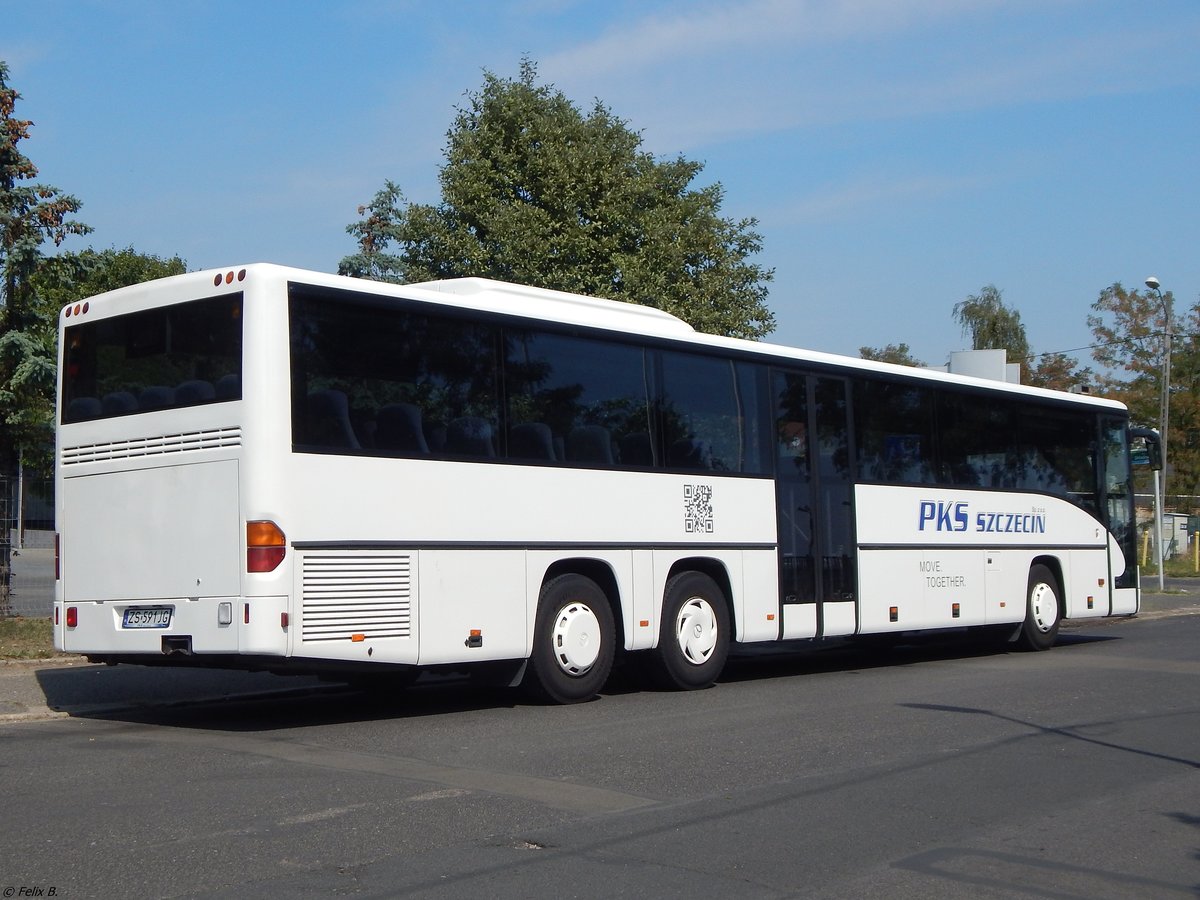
<point x="1184" y="430"/>
<point x="535" y="191"/>
<point x="1129" y="328"/>
<point x="58" y="281"/>
<point x="899" y="354"/>
<point x="68" y="277"/>
<point x="1059" y="372"/>
<point x="30" y="215"/>
<point x="993" y="326"/>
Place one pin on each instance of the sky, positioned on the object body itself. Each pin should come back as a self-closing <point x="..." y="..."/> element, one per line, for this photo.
<point x="899" y="155"/>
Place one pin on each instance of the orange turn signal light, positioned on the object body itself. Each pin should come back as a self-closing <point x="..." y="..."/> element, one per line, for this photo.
<point x="266" y="546"/>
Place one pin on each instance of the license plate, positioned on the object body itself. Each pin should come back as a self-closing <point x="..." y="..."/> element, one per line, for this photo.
<point x="147" y="617"/>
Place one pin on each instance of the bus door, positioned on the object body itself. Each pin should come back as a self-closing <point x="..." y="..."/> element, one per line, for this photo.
<point x="814" y="490"/>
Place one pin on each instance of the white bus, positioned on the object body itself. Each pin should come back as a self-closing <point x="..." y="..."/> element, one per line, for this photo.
<point x="275" y="469"/>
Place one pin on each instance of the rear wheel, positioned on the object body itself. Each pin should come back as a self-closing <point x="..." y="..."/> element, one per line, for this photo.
<point x="693" y="642"/>
<point x="574" y="641"/>
<point x="1043" y="612"/>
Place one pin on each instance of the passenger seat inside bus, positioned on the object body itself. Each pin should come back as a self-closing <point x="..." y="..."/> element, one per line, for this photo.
<point x="531" y="440"/>
<point x="83" y="408"/>
<point x="470" y="436"/>
<point x="590" y="444"/>
<point x="118" y="403"/>
<point x="156" y="396"/>
<point x="329" y="421"/>
<point x="229" y="387"/>
<point x="398" y="428"/>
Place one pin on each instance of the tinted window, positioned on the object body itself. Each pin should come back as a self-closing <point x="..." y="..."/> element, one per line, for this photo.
<point x="371" y="376"/>
<point x="709" y="415"/>
<point x="576" y="400"/>
<point x="1056" y="453"/>
<point x="977" y="444"/>
<point x="999" y="442"/>
<point x="186" y="354"/>
<point x="894" y="424"/>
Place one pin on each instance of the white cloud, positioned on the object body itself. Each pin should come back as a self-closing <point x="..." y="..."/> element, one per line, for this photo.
<point x="849" y="199"/>
<point x="759" y="24"/>
<point x="766" y="66"/>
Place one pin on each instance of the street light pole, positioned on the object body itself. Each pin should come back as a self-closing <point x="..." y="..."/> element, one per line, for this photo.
<point x="1164" y="407"/>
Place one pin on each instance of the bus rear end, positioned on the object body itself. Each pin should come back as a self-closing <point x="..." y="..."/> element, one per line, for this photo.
<point x="150" y="432"/>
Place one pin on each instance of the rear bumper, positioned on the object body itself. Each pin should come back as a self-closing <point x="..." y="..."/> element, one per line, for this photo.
<point x="201" y="626"/>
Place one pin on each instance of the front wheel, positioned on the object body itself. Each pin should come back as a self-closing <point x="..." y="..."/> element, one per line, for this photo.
<point x="693" y="642"/>
<point x="574" y="641"/>
<point x="1043" y="613"/>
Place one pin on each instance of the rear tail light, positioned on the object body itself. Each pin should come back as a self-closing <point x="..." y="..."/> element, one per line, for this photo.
<point x="57" y="557"/>
<point x="72" y="616"/>
<point x="266" y="546"/>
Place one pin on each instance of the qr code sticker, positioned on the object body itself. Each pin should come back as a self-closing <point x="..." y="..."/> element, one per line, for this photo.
<point x="697" y="509"/>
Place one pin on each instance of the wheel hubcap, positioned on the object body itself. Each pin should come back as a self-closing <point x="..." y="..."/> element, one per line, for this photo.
<point x="1044" y="606"/>
<point x="576" y="638"/>
<point x="696" y="630"/>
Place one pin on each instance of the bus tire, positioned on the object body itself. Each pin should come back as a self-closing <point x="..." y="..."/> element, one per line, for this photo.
<point x="693" y="642"/>
<point x="1043" y="611"/>
<point x="574" y="641"/>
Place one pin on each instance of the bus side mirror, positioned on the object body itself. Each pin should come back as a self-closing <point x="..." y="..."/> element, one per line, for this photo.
<point x="1145" y="448"/>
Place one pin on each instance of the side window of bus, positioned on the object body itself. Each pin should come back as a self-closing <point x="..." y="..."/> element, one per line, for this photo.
<point x="576" y="400"/>
<point x="395" y="382"/>
<point x="894" y="425"/>
<point x="1057" y="452"/>
<point x="976" y="440"/>
<point x="710" y="414"/>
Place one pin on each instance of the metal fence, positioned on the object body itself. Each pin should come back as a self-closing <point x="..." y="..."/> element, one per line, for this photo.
<point x="7" y="517"/>
<point x="26" y="547"/>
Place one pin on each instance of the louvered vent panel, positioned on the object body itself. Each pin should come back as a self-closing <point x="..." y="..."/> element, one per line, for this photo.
<point x="347" y="592"/>
<point x="158" y="445"/>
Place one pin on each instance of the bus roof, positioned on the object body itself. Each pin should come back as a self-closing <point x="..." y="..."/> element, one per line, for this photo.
<point x="487" y="295"/>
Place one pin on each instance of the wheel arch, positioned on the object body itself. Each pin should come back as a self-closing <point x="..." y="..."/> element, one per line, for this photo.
<point x="1054" y="565"/>
<point x="717" y="571"/>
<point x="598" y="571"/>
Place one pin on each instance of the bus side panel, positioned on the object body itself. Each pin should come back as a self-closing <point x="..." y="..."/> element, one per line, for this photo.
<point x="760" y="579"/>
<point x="1086" y="591"/>
<point x="467" y="591"/>
<point x="1125" y="601"/>
<point x="971" y="547"/>
<point x="1007" y="582"/>
<point x="889" y="578"/>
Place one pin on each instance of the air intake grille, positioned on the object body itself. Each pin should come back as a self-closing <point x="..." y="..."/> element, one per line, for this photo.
<point x="348" y="592"/>
<point x="153" y="446"/>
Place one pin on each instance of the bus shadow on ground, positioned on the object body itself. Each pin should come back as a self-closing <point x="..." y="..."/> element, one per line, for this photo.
<point x="261" y="702"/>
<point x="804" y="658"/>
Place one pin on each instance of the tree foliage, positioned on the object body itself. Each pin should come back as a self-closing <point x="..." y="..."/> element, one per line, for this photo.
<point x="1129" y="328"/>
<point x="535" y="191"/>
<point x="1058" y="372"/>
<point x="993" y="326"/>
<point x="58" y="281"/>
<point x="898" y="354"/>
<point x="30" y="215"/>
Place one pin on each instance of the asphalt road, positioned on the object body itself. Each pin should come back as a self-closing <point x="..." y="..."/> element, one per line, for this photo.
<point x="939" y="770"/>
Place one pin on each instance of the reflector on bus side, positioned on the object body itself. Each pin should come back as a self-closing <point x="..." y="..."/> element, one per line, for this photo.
<point x="266" y="546"/>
